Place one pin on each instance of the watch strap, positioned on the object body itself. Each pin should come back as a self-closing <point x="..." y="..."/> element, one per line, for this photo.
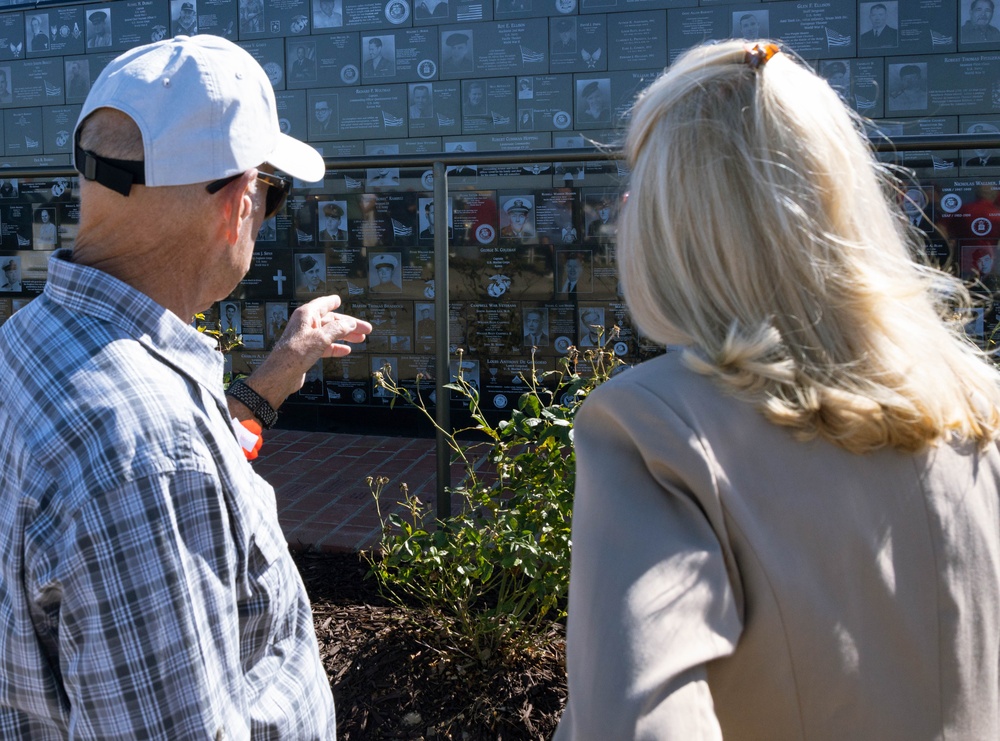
<point x="253" y="401"/>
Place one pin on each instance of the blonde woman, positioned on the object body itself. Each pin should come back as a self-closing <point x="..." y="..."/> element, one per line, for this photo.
<point x="790" y="528"/>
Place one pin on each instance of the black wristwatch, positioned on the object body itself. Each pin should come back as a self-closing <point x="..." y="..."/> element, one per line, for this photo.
<point x="253" y="401"/>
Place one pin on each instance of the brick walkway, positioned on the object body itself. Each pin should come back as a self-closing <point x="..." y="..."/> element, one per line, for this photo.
<point x="324" y="502"/>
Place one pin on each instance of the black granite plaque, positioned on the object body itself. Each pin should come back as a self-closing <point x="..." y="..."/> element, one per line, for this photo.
<point x="513" y="47"/>
<point x="292" y="113"/>
<point x="518" y="142"/>
<point x="494" y="330"/>
<point x="969" y="214"/>
<point x="937" y="163"/>
<point x="426" y="12"/>
<point x="263" y="18"/>
<point x="53" y="32"/>
<point x="815" y="30"/>
<point x="978" y="162"/>
<point x="955" y="84"/>
<point x="332" y="59"/>
<point x="270" y="54"/>
<point x="36" y="82"/>
<point x="12" y="45"/>
<point x="606" y="6"/>
<point x="515" y="9"/>
<point x="488" y="105"/>
<point x="348" y="380"/>
<point x="890" y="27"/>
<point x="504" y="378"/>
<point x="15" y="224"/>
<point x="23" y="131"/>
<point x="578" y="43"/>
<point x="57" y="128"/>
<point x="857" y="82"/>
<point x="559" y="216"/>
<point x="416" y="54"/>
<point x="362" y="15"/>
<point x="434" y="108"/>
<point x="381" y="177"/>
<point x="474" y="220"/>
<point x="549" y="98"/>
<point x="637" y="40"/>
<point x="364" y="113"/>
<point x="135" y="22"/>
<point x="219" y="17"/>
<point x="392" y="326"/>
<point x="687" y="27"/>
<point x="341" y="149"/>
<point x="625" y="86"/>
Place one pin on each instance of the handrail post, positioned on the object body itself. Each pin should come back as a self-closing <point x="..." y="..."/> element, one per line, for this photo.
<point x="442" y="373"/>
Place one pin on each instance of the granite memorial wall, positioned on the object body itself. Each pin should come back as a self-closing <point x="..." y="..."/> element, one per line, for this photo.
<point x="532" y="244"/>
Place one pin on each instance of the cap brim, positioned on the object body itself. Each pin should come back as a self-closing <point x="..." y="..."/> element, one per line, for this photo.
<point x="298" y="159"/>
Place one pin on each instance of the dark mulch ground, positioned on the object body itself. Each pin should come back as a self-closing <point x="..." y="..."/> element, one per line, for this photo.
<point x="390" y="680"/>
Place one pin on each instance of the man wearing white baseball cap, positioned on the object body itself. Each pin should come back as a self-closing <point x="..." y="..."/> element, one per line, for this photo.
<point x="146" y="590"/>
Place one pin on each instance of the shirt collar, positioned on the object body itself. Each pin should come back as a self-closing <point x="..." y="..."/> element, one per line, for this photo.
<point x="86" y="290"/>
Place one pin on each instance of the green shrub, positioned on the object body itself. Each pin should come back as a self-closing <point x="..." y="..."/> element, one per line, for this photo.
<point x="496" y="573"/>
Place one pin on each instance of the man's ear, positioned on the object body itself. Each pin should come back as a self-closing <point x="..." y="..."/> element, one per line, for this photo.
<point x="237" y="204"/>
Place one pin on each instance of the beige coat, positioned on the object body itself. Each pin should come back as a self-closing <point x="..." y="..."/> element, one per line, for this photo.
<point x="730" y="581"/>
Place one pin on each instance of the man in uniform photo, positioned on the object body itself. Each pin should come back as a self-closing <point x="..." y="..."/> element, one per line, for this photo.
<point x="378" y="64"/>
<point x="517" y="210"/>
<point x="385" y="274"/>
<point x="881" y="35"/>
<point x="536" y="328"/>
<point x="99" y="31"/>
<point x="457" y="53"/>
<point x="333" y="215"/>
<point x="421" y="101"/>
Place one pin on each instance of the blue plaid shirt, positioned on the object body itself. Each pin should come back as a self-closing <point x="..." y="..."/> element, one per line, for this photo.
<point x="146" y="590"/>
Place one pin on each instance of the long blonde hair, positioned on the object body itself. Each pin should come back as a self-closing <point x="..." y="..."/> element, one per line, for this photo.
<point x="759" y="232"/>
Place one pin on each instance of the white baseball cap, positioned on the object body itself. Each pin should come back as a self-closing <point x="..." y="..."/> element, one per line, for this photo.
<point x="206" y="111"/>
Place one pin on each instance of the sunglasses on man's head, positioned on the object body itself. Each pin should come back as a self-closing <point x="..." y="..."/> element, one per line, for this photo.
<point x="121" y="175"/>
<point x="278" y="188"/>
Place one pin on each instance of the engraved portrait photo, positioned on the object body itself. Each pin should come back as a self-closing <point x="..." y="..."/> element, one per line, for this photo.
<point x="36" y="31"/>
<point x="310" y="275"/>
<point x="380" y="56"/>
<point x="593" y="104"/>
<point x="977" y="22"/>
<point x="328" y="14"/>
<point x="302" y="61"/>
<point x="99" y="28"/>
<point x="879" y="25"/>
<point x="421" y="100"/>
<point x="907" y="86"/>
<point x="750" y="24"/>
<point x="324" y="123"/>
<point x="456" y="52"/>
<point x="184" y="17"/>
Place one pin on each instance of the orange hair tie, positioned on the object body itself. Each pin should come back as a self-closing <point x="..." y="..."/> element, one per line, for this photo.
<point x="757" y="56"/>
